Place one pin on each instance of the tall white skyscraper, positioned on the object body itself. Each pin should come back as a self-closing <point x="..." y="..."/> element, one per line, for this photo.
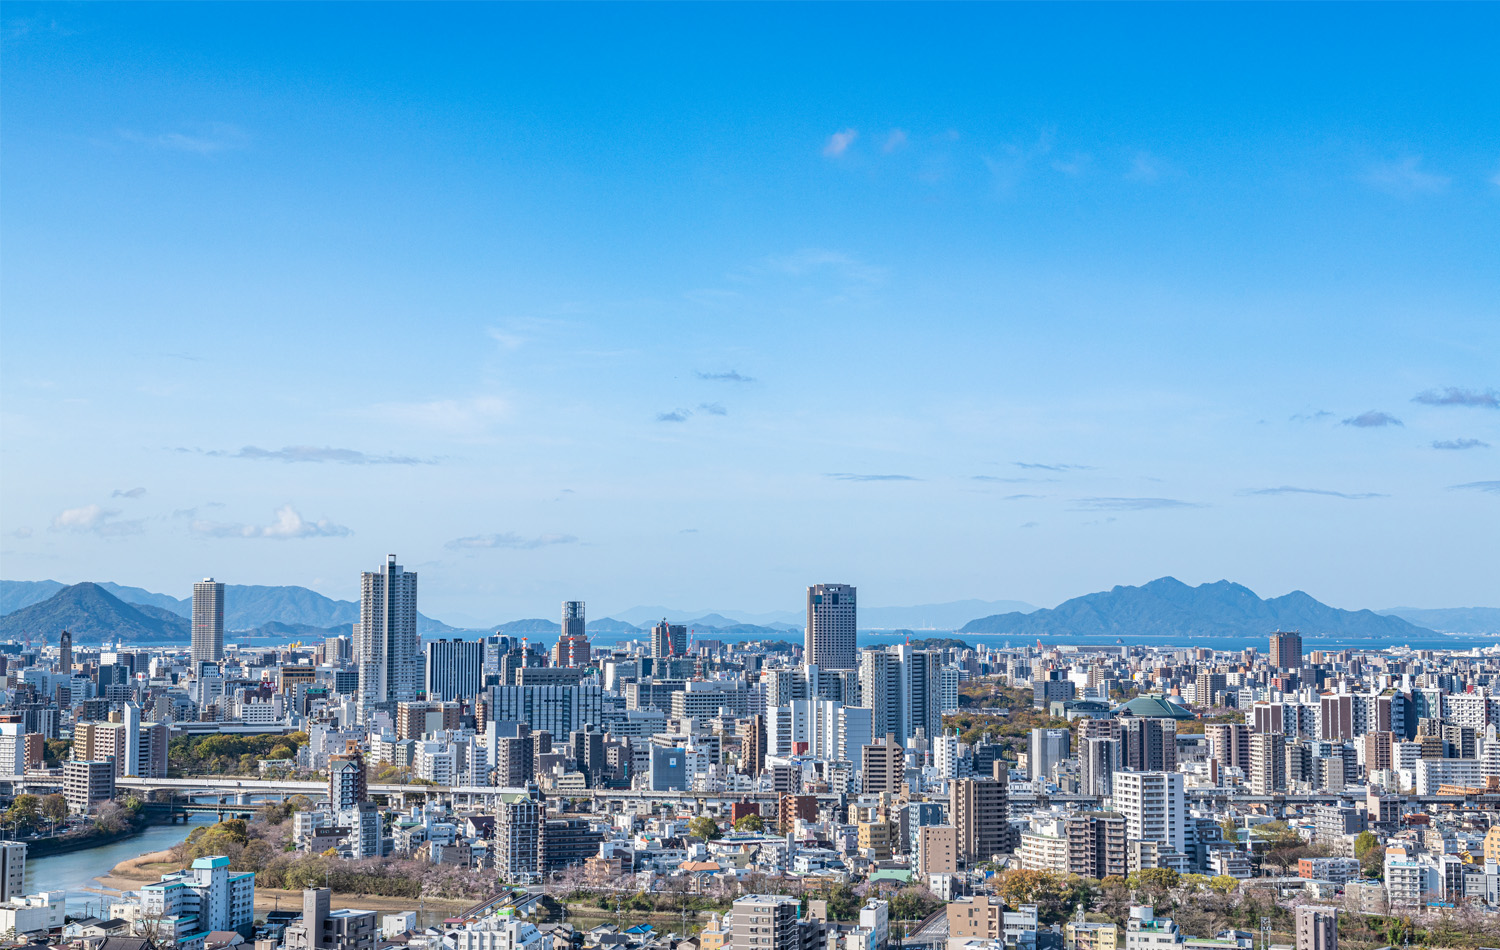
<point x="208" y="621"/>
<point x="830" y="627"/>
<point x="390" y="659"/>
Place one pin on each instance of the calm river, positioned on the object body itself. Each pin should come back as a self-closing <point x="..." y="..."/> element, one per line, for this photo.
<point x="75" y="872"/>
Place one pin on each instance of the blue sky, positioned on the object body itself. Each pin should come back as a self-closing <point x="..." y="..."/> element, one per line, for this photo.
<point x="700" y="304"/>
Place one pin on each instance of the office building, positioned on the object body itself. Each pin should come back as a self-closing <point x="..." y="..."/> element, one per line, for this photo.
<point x="980" y="811"/>
<point x="1317" y="928"/>
<point x="765" y="922"/>
<point x="572" y="648"/>
<point x="12" y="870"/>
<point x="208" y="622"/>
<point x="830" y="634"/>
<point x="389" y="655"/>
<point x="1048" y="748"/>
<point x="455" y="669"/>
<point x="557" y="709"/>
<point x="668" y="639"/>
<point x="1154" y="806"/>
<point x="65" y="653"/>
<point x="573" y="620"/>
<point x="668" y="765"/>
<point x="1286" y="651"/>
<point x="324" y="929"/>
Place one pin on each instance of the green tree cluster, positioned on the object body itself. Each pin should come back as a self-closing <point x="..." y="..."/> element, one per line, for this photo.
<point x="222" y="754"/>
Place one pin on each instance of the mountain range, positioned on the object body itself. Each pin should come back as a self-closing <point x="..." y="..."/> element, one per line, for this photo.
<point x="246" y="607"/>
<point x="92" y="613"/>
<point x="1481" y="621"/>
<point x="1162" y="608"/>
<point x="1167" y="607"/>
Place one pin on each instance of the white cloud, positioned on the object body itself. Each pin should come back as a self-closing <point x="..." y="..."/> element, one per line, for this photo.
<point x="313" y="453"/>
<point x="472" y="416"/>
<point x="1012" y="162"/>
<point x="895" y="140"/>
<point x="288" y="524"/>
<point x="839" y="142"/>
<point x="1075" y="165"/>
<point x="813" y="260"/>
<point x="506" y="339"/>
<point x="507" y="540"/>
<point x="96" y="519"/>
<point x="1145" y="168"/>
<point x="208" y="139"/>
<point x="22" y="532"/>
<point x="127" y="493"/>
<point x="1405" y="179"/>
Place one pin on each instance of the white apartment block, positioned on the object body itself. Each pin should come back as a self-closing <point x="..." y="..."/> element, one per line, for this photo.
<point x="1434" y="773"/>
<point x="1154" y="806"/>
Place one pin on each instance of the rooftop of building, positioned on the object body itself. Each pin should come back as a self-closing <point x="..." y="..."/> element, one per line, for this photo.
<point x="1152" y="706"/>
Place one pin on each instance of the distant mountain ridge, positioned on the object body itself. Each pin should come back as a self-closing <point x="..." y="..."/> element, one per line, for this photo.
<point x="93" y="615"/>
<point x="1471" y="620"/>
<point x="1166" y="607"/>
<point x="246" y="606"/>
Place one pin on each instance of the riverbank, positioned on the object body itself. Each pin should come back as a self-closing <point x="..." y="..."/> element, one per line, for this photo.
<point x="66" y="844"/>
<point x="131" y="873"/>
<point x="141" y="869"/>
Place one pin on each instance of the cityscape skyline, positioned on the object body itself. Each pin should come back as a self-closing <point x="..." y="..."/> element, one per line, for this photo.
<point x="1038" y="314"/>
<point x="1049" y="453"/>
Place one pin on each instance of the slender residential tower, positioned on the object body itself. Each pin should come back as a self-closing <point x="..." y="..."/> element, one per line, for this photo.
<point x="390" y="658"/>
<point x="208" y="621"/>
<point x="830" y="627"/>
